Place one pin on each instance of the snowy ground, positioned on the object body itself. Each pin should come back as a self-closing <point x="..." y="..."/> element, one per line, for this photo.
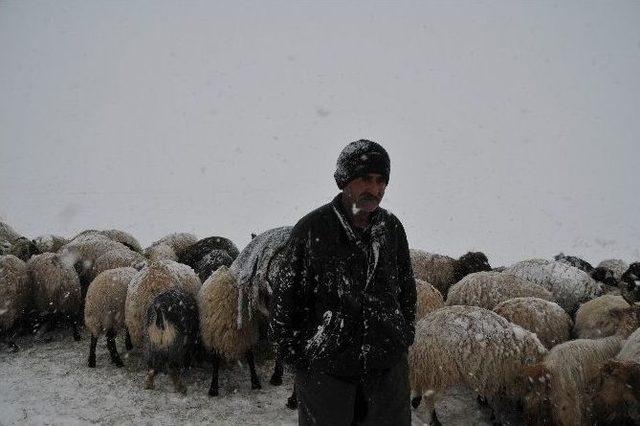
<point x="48" y="382"/>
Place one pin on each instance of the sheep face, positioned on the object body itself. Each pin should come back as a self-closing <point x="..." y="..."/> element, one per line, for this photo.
<point x="630" y="283"/>
<point x="605" y="276"/>
<point x="619" y="394"/>
<point x="471" y="262"/>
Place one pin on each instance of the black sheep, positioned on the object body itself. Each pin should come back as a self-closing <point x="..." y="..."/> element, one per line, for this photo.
<point x="171" y="335"/>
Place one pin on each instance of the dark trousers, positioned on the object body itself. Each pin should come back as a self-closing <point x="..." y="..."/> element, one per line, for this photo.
<point x="380" y="399"/>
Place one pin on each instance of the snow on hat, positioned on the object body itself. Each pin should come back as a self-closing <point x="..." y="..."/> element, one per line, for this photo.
<point x="360" y="158"/>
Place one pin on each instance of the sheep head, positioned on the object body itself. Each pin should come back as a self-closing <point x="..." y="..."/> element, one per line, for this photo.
<point x="630" y="283"/>
<point x="604" y="275"/>
<point x="469" y="263"/>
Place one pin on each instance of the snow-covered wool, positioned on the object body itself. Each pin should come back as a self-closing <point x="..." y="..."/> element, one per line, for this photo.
<point x="428" y="299"/>
<point x="574" y="261"/>
<point x="618" y="399"/>
<point x="487" y="289"/>
<point x="569" y="285"/>
<point x="473" y="346"/>
<point x="49" y="243"/>
<point x="147" y="284"/>
<point x="117" y="259"/>
<point x="83" y="251"/>
<point x="104" y="308"/>
<point x="561" y="386"/>
<point x="194" y="253"/>
<point x="56" y="288"/>
<point x="616" y="266"/>
<point x="443" y="271"/>
<point x="171" y="333"/>
<point x="7" y="233"/>
<point x="546" y="319"/>
<point x="256" y="267"/>
<point x="15" y="291"/>
<point x="23" y="248"/>
<point x="160" y="251"/>
<point x="218" y="305"/>
<point x="178" y="241"/>
<point x="124" y="238"/>
<point x="600" y="317"/>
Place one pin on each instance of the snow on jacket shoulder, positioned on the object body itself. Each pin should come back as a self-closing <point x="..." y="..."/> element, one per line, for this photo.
<point x="344" y="303"/>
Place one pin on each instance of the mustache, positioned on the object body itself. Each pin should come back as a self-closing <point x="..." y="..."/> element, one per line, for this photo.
<point x="368" y="197"/>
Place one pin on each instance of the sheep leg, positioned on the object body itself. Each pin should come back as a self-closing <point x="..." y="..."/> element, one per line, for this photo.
<point x="278" y="370"/>
<point x="177" y="383"/>
<point x="127" y="340"/>
<point x="113" y="352"/>
<point x="92" y="351"/>
<point x="292" y="401"/>
<point x="149" y="382"/>
<point x="215" y="361"/>
<point x="255" y="380"/>
<point x="74" y="328"/>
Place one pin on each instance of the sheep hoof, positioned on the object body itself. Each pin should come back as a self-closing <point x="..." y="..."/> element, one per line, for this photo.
<point x="182" y="390"/>
<point x="255" y="386"/>
<point x="149" y="384"/>
<point x="213" y="392"/>
<point x="292" y="403"/>
<point x="415" y="402"/>
<point x="275" y="380"/>
<point x="92" y="363"/>
<point x="119" y="364"/>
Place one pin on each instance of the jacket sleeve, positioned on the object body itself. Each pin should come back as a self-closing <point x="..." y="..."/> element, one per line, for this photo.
<point x="289" y="304"/>
<point x="407" y="295"/>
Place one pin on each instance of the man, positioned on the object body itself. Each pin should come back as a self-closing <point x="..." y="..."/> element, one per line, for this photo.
<point x="343" y="306"/>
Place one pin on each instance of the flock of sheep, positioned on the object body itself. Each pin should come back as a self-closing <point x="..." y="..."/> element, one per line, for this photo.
<point x="557" y="339"/>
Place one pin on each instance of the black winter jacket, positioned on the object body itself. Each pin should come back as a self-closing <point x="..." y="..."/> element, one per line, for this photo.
<point x="344" y="302"/>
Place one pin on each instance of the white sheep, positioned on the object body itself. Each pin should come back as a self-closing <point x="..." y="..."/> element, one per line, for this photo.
<point x="178" y="241"/>
<point x="428" y="299"/>
<point x="618" y="399"/>
<point x="473" y="346"/>
<point x="104" y="310"/>
<point x="83" y="251"/>
<point x="569" y="285"/>
<point x="118" y="258"/>
<point x="487" y="289"/>
<point x="56" y="289"/>
<point x="222" y="335"/>
<point x="124" y="238"/>
<point x="147" y="284"/>
<point x="49" y="243"/>
<point x="15" y="293"/>
<point x="161" y="251"/>
<point x="230" y="332"/>
<point x="443" y="271"/>
<point x="546" y="319"/>
<point x="599" y="317"/>
<point x="561" y="386"/>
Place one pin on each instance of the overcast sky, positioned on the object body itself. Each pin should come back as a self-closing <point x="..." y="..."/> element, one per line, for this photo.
<point x="513" y="127"/>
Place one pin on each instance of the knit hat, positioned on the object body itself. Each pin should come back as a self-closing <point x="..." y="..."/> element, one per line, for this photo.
<point x="360" y="158"/>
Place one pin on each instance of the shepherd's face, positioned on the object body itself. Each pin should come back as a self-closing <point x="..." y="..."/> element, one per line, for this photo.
<point x="365" y="193"/>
